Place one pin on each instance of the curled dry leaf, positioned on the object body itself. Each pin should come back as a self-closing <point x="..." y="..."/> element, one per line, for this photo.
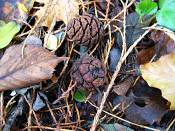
<point x="16" y="71"/>
<point x="161" y="74"/>
<point x="64" y="10"/>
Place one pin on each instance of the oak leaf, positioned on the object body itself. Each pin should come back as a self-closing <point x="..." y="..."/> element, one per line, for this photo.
<point x="36" y="65"/>
<point x="161" y="74"/>
<point x="63" y="10"/>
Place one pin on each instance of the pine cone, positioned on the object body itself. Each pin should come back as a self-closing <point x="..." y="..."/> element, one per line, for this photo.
<point x="84" y="30"/>
<point x="88" y="72"/>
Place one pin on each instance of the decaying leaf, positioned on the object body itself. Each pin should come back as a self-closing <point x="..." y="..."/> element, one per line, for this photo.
<point x="133" y="29"/>
<point x="161" y="74"/>
<point x="146" y="115"/>
<point x="38" y="104"/>
<point x="163" y="43"/>
<point x="144" y="105"/>
<point x="64" y="10"/>
<point x="144" y="56"/>
<point x="37" y="65"/>
<point x="122" y="88"/>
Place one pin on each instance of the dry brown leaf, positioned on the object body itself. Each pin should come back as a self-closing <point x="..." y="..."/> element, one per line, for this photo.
<point x="63" y="10"/>
<point x="161" y="74"/>
<point x="164" y="44"/>
<point x="122" y="88"/>
<point x="143" y="105"/>
<point x="37" y="65"/>
<point x="145" y="55"/>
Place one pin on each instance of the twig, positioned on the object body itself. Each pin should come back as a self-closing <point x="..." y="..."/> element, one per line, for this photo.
<point x="119" y="14"/>
<point x="2" y="121"/>
<point x="51" y="112"/>
<point x="170" y="125"/>
<point x="65" y="93"/>
<point x="47" y="128"/>
<point x="30" y="106"/>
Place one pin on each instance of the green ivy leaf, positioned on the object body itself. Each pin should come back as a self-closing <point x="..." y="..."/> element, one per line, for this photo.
<point x="146" y="7"/>
<point x="166" y="3"/>
<point x="7" y="32"/>
<point x="80" y="95"/>
<point x="166" y="17"/>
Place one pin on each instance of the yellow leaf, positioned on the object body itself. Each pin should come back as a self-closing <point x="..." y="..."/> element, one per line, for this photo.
<point x="161" y="74"/>
<point x="63" y="10"/>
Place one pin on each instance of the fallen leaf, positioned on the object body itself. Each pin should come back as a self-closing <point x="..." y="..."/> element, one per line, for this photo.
<point x="80" y="95"/>
<point x="161" y="74"/>
<point x="133" y="29"/>
<point x="163" y="43"/>
<point x="144" y="56"/>
<point x="143" y="105"/>
<point x="16" y="71"/>
<point x="122" y="88"/>
<point x="146" y="115"/>
<point x="146" y="7"/>
<point x="63" y="10"/>
<point x="38" y="104"/>
<point x="7" y="32"/>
